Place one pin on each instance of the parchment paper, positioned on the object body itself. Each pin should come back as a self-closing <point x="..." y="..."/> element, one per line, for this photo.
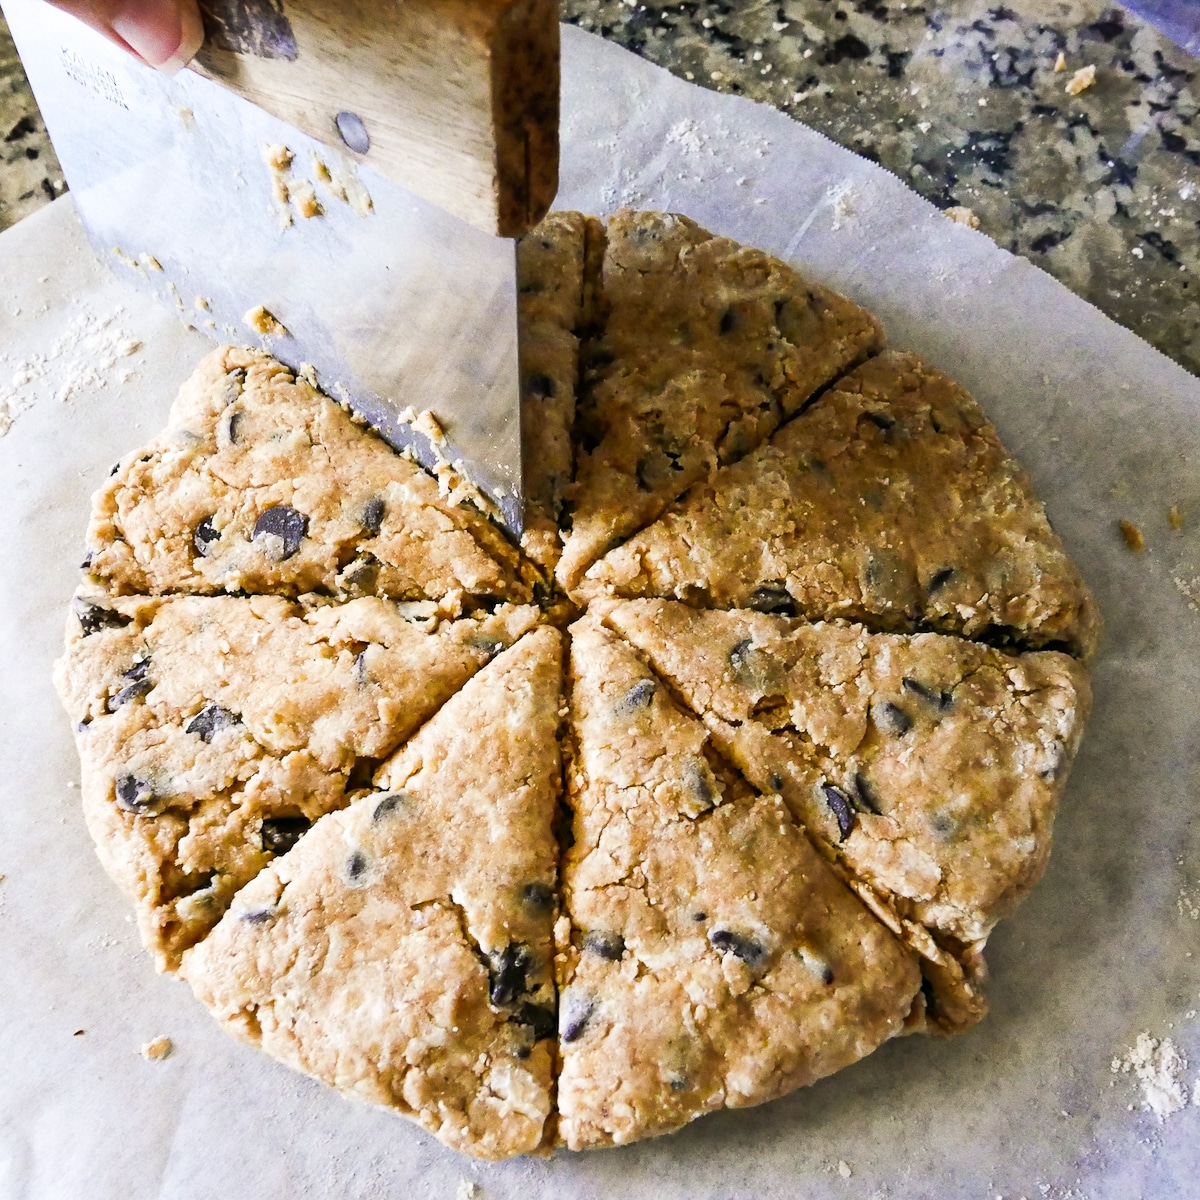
<point x="1027" y="1104"/>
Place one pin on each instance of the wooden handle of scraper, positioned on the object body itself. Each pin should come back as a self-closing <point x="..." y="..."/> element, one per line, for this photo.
<point x="457" y="100"/>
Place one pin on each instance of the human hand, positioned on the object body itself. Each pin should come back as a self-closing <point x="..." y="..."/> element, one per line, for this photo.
<point x="164" y="34"/>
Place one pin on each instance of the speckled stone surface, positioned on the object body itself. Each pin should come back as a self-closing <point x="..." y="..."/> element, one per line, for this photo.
<point x="960" y="99"/>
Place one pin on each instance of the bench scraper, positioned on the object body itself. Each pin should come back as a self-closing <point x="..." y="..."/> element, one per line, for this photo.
<point x="366" y="220"/>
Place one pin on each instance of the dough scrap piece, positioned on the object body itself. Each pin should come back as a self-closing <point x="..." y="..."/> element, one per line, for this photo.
<point x="705" y="347"/>
<point x="213" y="730"/>
<point x="402" y="952"/>
<point x="557" y="265"/>
<point x="927" y="767"/>
<point x="262" y="484"/>
<point x="712" y="958"/>
<point x="890" y="501"/>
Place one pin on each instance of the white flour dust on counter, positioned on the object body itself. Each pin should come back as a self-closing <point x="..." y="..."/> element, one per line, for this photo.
<point x="91" y="354"/>
<point x="1158" y="1065"/>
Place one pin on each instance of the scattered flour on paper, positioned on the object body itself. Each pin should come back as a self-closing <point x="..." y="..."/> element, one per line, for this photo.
<point x="90" y="355"/>
<point x="1159" y="1067"/>
<point x="468" y="1190"/>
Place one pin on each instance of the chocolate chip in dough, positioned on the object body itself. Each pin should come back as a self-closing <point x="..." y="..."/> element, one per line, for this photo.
<point x="576" y="1010"/>
<point x="205" y="536"/>
<point x="135" y="795"/>
<point x="540" y="1018"/>
<point x="372" y="515"/>
<point x="356" y="866"/>
<point x="773" y="599"/>
<point x="839" y="805"/>
<point x="280" y="834"/>
<point x="279" y="531"/>
<point x="637" y="698"/>
<point x="388" y="805"/>
<point x="508" y="969"/>
<point x="935" y="696"/>
<point x="139" y="687"/>
<point x="890" y="718"/>
<point x="538" y="896"/>
<point x="728" y="941"/>
<point x="210" y="720"/>
<point x="604" y="944"/>
<point x="94" y="617"/>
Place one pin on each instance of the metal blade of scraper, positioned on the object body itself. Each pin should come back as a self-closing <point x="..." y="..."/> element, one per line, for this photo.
<point x="399" y="307"/>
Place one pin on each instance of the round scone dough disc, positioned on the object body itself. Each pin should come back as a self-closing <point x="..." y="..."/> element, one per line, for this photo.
<point x="825" y="689"/>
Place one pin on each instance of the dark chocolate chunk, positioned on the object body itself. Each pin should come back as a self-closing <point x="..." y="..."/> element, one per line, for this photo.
<point x="508" y="969"/>
<point x="489" y="647"/>
<point x="880" y="420"/>
<point x="729" y="321"/>
<point x="279" y="531"/>
<point x="739" y="656"/>
<point x="87" y="560"/>
<point x="699" y="916"/>
<point x="604" y="944"/>
<point x="139" y="687"/>
<point x="863" y="796"/>
<point x="943" y="824"/>
<point x="775" y="599"/>
<point x="540" y="1018"/>
<point x="280" y="834"/>
<point x="258" y="916"/>
<point x="728" y="941"/>
<point x="839" y="805"/>
<point x="538" y="896"/>
<point x="775" y="780"/>
<point x="94" y="617"/>
<point x="941" y="700"/>
<point x="891" y="719"/>
<point x="205" y="536"/>
<point x="678" y="1083"/>
<point x="540" y="386"/>
<point x="372" y="515"/>
<point x="135" y="795"/>
<point x="939" y="579"/>
<point x="697" y="779"/>
<point x="388" y="805"/>
<point x="358" y="672"/>
<point x="210" y="720"/>
<point x="232" y="422"/>
<point x="576" y="1011"/>
<point x="139" y="669"/>
<point x="638" y="697"/>
<point x="356" y="866"/>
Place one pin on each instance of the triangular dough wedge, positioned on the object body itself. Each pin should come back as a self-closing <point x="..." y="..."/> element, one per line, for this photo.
<point x="402" y="952"/>
<point x="928" y="767"/>
<point x="890" y="501"/>
<point x="557" y="266"/>
<point x="709" y="957"/>
<point x="262" y="484"/>
<point x="706" y="346"/>
<point x="213" y="730"/>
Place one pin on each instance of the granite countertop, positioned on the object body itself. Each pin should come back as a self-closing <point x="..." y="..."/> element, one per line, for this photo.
<point x="961" y="99"/>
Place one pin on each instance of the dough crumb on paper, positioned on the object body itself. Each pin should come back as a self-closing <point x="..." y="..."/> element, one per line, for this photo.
<point x="158" y="1049"/>
<point x="1159" y="1067"/>
<point x="961" y="215"/>
<point x="1132" y="535"/>
<point x="1175" y="517"/>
